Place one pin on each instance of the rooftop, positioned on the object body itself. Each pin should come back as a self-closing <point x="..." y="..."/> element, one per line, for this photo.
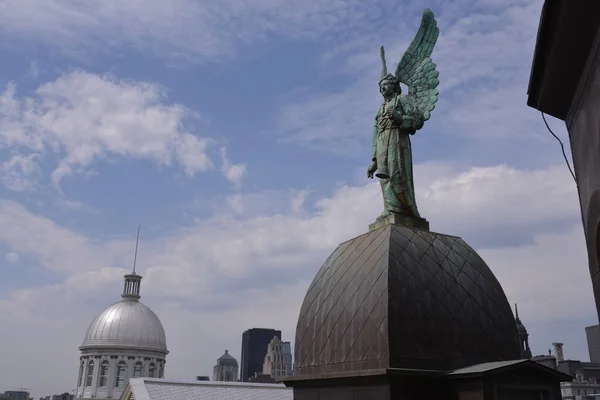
<point x="565" y="37"/>
<point x="227" y="359"/>
<point x="161" y="389"/>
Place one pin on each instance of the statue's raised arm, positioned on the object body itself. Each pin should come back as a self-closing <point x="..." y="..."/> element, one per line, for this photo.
<point x="401" y="116"/>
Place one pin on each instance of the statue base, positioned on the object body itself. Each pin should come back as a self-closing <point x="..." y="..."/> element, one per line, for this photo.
<point x="399" y="219"/>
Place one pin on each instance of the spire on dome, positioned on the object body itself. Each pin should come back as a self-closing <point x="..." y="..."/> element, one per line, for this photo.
<point x="520" y="327"/>
<point x="137" y="240"/>
<point x="523" y="336"/>
<point x="131" y="290"/>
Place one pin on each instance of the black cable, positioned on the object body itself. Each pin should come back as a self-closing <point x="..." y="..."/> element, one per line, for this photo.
<point x="562" y="147"/>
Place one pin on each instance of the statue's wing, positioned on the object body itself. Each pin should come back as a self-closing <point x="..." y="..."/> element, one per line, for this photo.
<point x="417" y="71"/>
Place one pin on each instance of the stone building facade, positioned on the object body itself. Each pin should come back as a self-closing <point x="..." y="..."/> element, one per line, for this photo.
<point x="278" y="360"/>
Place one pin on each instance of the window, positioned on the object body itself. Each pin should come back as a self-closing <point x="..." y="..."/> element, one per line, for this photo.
<point x="90" y="374"/>
<point x="137" y="370"/>
<point x="161" y="370"/>
<point x="151" y="370"/>
<point x="80" y="379"/>
<point x="104" y="373"/>
<point x="121" y="370"/>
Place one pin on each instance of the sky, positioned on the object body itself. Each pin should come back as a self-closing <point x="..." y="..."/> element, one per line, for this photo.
<point x="237" y="134"/>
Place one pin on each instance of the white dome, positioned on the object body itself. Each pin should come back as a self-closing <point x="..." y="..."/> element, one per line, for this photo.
<point x="126" y="324"/>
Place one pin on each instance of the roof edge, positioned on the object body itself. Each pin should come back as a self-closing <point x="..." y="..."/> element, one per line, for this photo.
<point x="161" y="381"/>
<point x="91" y="347"/>
<point x="563" y="44"/>
<point x="511" y="366"/>
<point x="138" y="388"/>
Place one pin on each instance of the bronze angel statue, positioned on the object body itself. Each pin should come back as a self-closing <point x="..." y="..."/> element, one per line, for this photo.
<point x="401" y="116"/>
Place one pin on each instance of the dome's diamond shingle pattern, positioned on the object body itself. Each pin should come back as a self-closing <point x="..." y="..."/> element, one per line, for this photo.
<point x="403" y="298"/>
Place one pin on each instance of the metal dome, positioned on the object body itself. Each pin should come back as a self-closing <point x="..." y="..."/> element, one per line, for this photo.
<point x="399" y="297"/>
<point x="126" y="324"/>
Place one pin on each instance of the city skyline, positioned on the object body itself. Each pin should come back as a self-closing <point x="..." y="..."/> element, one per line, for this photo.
<point x="238" y="135"/>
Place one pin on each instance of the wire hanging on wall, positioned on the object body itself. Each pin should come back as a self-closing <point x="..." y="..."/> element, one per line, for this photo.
<point x="562" y="147"/>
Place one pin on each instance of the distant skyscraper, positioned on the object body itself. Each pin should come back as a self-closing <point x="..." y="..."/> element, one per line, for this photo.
<point x="287" y="356"/>
<point x="226" y="369"/>
<point x="278" y="360"/>
<point x="593" y="340"/>
<point x="254" y="349"/>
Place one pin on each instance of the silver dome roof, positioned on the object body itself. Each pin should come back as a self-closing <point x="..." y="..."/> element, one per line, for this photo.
<point x="126" y="324"/>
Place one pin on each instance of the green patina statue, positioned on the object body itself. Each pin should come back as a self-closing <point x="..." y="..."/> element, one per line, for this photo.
<point x="401" y="116"/>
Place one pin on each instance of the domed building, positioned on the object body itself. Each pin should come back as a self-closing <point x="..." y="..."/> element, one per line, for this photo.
<point x="406" y="298"/>
<point x="403" y="312"/>
<point x="226" y="369"/>
<point x="127" y="340"/>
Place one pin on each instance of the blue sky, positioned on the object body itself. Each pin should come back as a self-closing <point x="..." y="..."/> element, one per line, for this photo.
<point x="237" y="133"/>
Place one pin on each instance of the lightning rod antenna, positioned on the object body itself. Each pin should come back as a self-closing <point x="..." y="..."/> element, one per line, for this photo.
<point x="137" y="240"/>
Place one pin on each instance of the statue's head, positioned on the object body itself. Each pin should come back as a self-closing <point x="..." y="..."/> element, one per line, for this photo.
<point x="389" y="86"/>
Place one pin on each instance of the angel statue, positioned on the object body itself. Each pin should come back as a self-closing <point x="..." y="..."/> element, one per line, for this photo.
<point x="401" y="116"/>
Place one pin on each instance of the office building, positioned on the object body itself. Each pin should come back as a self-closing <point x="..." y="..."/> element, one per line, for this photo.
<point x="278" y="360"/>
<point x="254" y="349"/>
<point x="593" y="340"/>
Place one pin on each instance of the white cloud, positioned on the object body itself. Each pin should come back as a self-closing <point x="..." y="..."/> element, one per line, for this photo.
<point x="21" y="172"/>
<point x="267" y="255"/>
<point x="527" y="280"/>
<point x="183" y="29"/>
<point x="525" y="198"/>
<point x="12" y="257"/>
<point x="233" y="172"/>
<point x="54" y="247"/>
<point x="82" y="118"/>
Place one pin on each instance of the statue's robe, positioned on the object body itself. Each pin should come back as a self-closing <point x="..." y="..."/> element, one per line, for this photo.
<point x="391" y="148"/>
